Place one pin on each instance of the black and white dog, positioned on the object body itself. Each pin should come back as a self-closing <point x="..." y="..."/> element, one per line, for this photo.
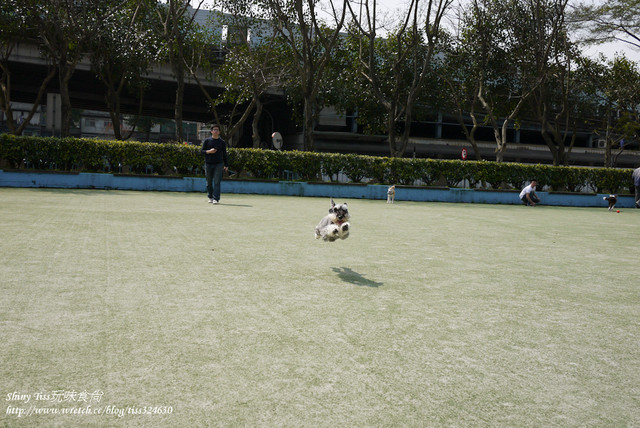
<point x="336" y="224"/>
<point x="612" y="199"/>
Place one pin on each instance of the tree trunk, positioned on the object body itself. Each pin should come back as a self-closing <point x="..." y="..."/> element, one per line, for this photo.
<point x="470" y="135"/>
<point x="501" y="141"/>
<point x="113" y="103"/>
<point x="404" y="139"/>
<point x="556" y="152"/>
<point x="254" y="125"/>
<point x="607" y="154"/>
<point x="309" y="120"/>
<point x="64" y="76"/>
<point x="391" y="126"/>
<point x="178" y="109"/>
<point x="177" y="66"/>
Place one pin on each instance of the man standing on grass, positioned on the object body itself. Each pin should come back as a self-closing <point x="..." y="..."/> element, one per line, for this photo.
<point x="214" y="150"/>
<point x="636" y="183"/>
<point x="528" y="195"/>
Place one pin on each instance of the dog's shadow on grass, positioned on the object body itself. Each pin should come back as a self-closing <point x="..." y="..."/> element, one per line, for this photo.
<point x="353" y="277"/>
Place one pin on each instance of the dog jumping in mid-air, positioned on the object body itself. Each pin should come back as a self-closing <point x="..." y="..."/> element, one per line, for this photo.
<point x="391" y="194"/>
<point x="612" y="199"/>
<point x="336" y="224"/>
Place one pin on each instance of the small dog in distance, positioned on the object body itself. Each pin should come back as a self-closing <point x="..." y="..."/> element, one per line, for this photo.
<point x="391" y="194"/>
<point x="335" y="225"/>
<point x="612" y="199"/>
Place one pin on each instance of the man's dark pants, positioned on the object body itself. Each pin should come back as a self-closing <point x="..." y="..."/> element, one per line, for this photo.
<point x="213" y="173"/>
<point x="534" y="198"/>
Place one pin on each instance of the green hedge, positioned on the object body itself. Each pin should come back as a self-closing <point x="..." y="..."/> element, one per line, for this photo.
<point x="88" y="155"/>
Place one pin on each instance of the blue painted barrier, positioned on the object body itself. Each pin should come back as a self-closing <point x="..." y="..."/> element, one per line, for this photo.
<point x="295" y="188"/>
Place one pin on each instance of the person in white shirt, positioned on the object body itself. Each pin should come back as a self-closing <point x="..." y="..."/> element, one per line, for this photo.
<point x="528" y="195"/>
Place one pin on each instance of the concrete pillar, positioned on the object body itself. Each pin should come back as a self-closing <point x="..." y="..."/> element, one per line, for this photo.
<point x="354" y="122"/>
<point x="54" y="113"/>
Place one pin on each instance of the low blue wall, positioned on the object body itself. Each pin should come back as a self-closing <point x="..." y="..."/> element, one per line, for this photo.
<point x="294" y="188"/>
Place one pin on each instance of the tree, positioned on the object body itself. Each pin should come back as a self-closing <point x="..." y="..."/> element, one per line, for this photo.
<point x="395" y="67"/>
<point x="613" y="20"/>
<point x="310" y="42"/>
<point x="502" y="36"/>
<point x="249" y="71"/>
<point x="65" y="29"/>
<point x="568" y="101"/>
<point x="551" y="57"/>
<point x="466" y="60"/>
<point x="253" y="63"/>
<point x="176" y="20"/>
<point x="616" y="89"/>
<point x="121" y="56"/>
<point x="346" y="89"/>
<point x="14" y="27"/>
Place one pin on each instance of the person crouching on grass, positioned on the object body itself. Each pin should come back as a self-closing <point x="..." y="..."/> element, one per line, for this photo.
<point x="528" y="195"/>
<point x="214" y="150"/>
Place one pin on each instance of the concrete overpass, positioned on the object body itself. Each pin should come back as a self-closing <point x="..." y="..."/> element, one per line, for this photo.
<point x="29" y="68"/>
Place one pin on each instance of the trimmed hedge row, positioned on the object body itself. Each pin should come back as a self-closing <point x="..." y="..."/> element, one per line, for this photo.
<point x="88" y="155"/>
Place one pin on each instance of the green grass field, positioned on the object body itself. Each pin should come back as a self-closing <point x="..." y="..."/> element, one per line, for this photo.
<point x="430" y="314"/>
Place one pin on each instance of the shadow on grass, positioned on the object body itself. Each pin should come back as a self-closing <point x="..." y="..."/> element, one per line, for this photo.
<point x="353" y="277"/>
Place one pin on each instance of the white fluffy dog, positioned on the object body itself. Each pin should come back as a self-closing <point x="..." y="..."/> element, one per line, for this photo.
<point x="335" y="225"/>
<point x="391" y="194"/>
